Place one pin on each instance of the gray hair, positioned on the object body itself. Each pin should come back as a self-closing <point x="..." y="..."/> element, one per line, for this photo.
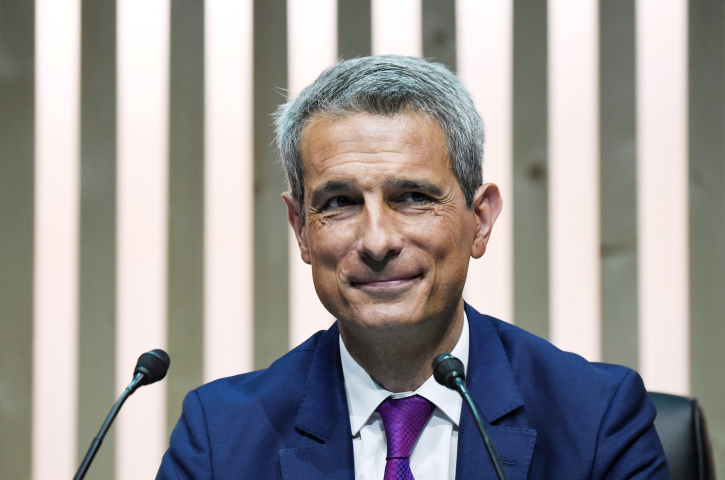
<point x="387" y="85"/>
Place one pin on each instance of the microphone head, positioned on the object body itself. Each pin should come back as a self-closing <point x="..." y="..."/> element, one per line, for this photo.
<point x="153" y="365"/>
<point x="446" y="368"/>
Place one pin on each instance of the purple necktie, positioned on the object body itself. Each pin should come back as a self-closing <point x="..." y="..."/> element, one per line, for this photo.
<point x="404" y="419"/>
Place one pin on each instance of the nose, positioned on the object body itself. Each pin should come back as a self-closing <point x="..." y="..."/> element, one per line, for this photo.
<point x="380" y="237"/>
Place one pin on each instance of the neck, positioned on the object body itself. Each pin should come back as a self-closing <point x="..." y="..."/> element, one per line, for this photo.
<point x="401" y="361"/>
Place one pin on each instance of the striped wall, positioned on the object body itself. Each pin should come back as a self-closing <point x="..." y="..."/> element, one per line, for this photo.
<point x="140" y="195"/>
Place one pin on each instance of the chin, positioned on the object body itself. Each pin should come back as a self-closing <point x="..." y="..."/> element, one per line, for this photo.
<point x="387" y="317"/>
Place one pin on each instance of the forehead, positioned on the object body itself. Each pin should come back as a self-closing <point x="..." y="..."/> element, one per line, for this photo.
<point x="364" y="146"/>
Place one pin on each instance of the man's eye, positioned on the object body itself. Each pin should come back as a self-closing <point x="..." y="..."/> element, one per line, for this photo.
<point x="339" y="202"/>
<point x="415" y="197"/>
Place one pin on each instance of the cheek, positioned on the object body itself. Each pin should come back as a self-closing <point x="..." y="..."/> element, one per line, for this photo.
<point x="446" y="234"/>
<point x="329" y="243"/>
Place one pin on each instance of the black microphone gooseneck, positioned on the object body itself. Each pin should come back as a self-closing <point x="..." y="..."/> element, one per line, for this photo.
<point x="448" y="371"/>
<point x="151" y="367"/>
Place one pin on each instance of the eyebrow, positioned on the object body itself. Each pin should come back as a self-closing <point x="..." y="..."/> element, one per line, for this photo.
<point x="328" y="188"/>
<point x="335" y="186"/>
<point x="414" y="185"/>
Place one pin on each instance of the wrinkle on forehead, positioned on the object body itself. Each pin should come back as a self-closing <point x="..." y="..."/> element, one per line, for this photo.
<point x="391" y="162"/>
<point x="371" y="139"/>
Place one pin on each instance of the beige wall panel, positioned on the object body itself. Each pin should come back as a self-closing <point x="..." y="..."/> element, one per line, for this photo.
<point x="228" y="190"/>
<point x="662" y="195"/>
<point x="485" y="55"/>
<point x="397" y="27"/>
<point x="311" y="47"/>
<point x="574" y="236"/>
<point x="142" y="213"/>
<point x="57" y="181"/>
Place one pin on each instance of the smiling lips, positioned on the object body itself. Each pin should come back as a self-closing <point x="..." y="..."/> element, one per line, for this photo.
<point x="391" y="282"/>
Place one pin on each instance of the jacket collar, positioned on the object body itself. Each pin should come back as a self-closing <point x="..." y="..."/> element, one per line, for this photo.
<point x="323" y="418"/>
<point x="323" y="413"/>
<point x="490" y="380"/>
<point x="324" y="403"/>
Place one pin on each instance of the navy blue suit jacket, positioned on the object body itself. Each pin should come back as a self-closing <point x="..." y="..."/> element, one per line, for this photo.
<point x="552" y="414"/>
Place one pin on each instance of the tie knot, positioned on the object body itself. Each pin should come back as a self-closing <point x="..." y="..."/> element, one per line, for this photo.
<point x="404" y="419"/>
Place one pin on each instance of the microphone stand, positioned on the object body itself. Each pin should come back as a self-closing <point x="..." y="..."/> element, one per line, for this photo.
<point x="449" y="372"/>
<point x="132" y="387"/>
<point x="490" y="448"/>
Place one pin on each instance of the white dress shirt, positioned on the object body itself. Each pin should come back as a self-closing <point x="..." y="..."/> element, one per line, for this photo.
<point x="434" y="453"/>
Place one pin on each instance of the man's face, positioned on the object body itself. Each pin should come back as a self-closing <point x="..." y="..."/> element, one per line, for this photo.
<point x="387" y="231"/>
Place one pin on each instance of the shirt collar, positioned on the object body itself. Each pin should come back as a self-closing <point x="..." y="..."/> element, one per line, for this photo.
<point x="364" y="394"/>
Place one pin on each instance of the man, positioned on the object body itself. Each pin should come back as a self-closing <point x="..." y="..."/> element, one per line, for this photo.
<point x="384" y="161"/>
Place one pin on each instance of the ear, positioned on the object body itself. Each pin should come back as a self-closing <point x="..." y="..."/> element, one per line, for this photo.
<point x="294" y="215"/>
<point x="487" y="204"/>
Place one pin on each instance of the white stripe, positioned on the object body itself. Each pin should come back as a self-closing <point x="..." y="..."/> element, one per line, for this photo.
<point x="311" y="44"/>
<point x="662" y="178"/>
<point x="484" y="39"/>
<point x="57" y="175"/>
<point x="574" y="239"/>
<point x="142" y="226"/>
<point x="397" y="27"/>
<point x="228" y="189"/>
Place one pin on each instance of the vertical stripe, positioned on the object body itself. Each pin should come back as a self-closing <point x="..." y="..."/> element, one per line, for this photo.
<point x="186" y="203"/>
<point x="530" y="159"/>
<point x="228" y="189"/>
<point x="354" y="26"/>
<point x="57" y="171"/>
<point x="17" y="110"/>
<point x="439" y="31"/>
<point x="662" y="194"/>
<point x="311" y="33"/>
<point x="706" y="44"/>
<point x="143" y="60"/>
<point x="485" y="52"/>
<point x="271" y="264"/>
<point x="311" y="46"/>
<point x="618" y="183"/>
<point x="97" y="305"/>
<point x="574" y="177"/>
<point x="397" y="27"/>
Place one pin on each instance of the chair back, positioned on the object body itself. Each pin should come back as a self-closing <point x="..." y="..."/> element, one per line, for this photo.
<point x="680" y="424"/>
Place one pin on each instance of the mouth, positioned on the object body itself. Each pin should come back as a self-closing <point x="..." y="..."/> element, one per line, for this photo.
<point x="386" y="283"/>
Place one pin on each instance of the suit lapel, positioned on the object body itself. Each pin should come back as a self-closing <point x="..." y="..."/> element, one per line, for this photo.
<point x="325" y="450"/>
<point x="322" y="420"/>
<point x="491" y="382"/>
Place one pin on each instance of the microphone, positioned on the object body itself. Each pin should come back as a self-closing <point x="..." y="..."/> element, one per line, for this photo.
<point x="448" y="371"/>
<point x="150" y="368"/>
